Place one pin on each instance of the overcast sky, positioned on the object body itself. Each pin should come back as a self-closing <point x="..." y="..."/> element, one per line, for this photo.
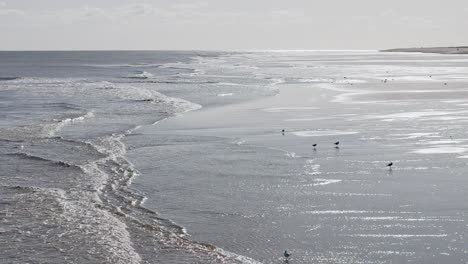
<point x="231" y="24"/>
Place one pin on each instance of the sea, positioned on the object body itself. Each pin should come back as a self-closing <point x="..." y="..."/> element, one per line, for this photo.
<point x="207" y="157"/>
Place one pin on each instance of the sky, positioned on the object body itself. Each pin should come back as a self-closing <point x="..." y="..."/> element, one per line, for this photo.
<point x="230" y="25"/>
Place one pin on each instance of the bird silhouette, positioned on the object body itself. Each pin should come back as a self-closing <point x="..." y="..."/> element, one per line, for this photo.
<point x="390" y="164"/>
<point x="314" y="145"/>
<point x="286" y="254"/>
<point x="336" y="144"/>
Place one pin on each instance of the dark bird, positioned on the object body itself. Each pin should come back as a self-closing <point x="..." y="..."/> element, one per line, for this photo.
<point x="390" y="164"/>
<point x="286" y="254"/>
<point x="314" y="145"/>
<point x="336" y="145"/>
<point x="282" y="131"/>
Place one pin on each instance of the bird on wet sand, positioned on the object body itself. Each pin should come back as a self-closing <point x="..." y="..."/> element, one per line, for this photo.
<point x="336" y="144"/>
<point x="314" y="145"/>
<point x="390" y="165"/>
<point x="286" y="254"/>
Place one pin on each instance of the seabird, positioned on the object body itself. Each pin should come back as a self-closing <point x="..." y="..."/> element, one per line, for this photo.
<point x="390" y="164"/>
<point x="286" y="254"/>
<point x="314" y="145"/>
<point x="337" y="143"/>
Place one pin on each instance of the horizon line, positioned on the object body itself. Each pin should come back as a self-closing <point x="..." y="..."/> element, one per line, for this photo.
<point x="200" y="50"/>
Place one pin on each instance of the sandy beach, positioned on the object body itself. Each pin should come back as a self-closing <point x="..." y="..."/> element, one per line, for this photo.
<point x="440" y="50"/>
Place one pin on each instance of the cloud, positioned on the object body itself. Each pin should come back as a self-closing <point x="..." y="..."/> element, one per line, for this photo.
<point x="138" y="9"/>
<point x="11" y="12"/>
<point x="389" y="12"/>
<point x="175" y="14"/>
<point x="190" y="6"/>
<point x="83" y="13"/>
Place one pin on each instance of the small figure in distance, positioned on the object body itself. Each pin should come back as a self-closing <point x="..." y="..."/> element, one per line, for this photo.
<point x="314" y="145"/>
<point x="282" y="132"/>
<point x="390" y="165"/>
<point x="286" y="255"/>
<point x="336" y="144"/>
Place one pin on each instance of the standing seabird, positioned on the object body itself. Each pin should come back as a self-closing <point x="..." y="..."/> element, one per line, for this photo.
<point x="390" y="165"/>
<point x="286" y="254"/>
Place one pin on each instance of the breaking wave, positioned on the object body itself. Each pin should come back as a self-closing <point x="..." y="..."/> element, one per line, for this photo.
<point x="94" y="195"/>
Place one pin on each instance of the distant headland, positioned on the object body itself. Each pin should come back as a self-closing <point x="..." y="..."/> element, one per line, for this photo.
<point x="440" y="50"/>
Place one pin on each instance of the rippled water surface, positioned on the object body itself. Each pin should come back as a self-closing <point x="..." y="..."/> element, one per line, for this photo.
<point x="179" y="157"/>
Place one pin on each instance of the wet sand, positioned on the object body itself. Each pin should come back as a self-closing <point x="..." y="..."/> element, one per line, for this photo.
<point x="440" y="50"/>
<point x="232" y="178"/>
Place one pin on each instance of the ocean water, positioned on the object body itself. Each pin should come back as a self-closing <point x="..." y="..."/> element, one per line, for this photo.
<point x="178" y="157"/>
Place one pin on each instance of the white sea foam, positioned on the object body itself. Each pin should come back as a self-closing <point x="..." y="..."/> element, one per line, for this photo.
<point x="225" y="94"/>
<point x="277" y="81"/>
<point x="286" y="109"/>
<point x="71" y="120"/>
<point x="135" y="65"/>
<point x="229" y="84"/>
<point x="311" y="168"/>
<point x="332" y="212"/>
<point x="396" y="235"/>
<point x="353" y="194"/>
<point x="307" y="119"/>
<point x="238" y="142"/>
<point x="415" y="135"/>
<point x="322" y="133"/>
<point x="292" y="155"/>
<point x="315" y="80"/>
<point x="455" y="101"/>
<point x="439" y="142"/>
<point x="322" y="182"/>
<point x="140" y="75"/>
<point x="442" y="150"/>
<point x="345" y="81"/>
<point x="242" y="259"/>
<point x="416" y="115"/>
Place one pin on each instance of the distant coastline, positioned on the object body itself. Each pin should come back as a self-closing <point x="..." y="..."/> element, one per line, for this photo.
<point x="440" y="50"/>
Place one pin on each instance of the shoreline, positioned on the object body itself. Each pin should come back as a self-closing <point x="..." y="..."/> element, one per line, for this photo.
<point x="438" y="50"/>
